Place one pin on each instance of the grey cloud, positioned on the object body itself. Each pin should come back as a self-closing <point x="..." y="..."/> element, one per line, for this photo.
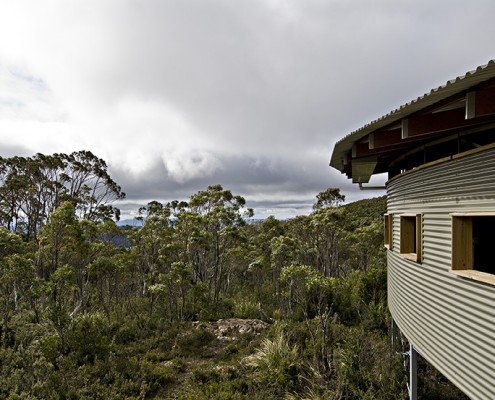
<point x="11" y="150"/>
<point x="265" y="183"/>
<point x="265" y="88"/>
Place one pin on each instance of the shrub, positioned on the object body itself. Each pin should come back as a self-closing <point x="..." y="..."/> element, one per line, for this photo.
<point x="88" y="338"/>
<point x="277" y="362"/>
<point x="246" y="308"/>
<point x="203" y="375"/>
<point x="193" y="343"/>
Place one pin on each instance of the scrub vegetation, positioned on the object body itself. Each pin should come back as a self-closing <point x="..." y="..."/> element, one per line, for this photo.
<point x="197" y="303"/>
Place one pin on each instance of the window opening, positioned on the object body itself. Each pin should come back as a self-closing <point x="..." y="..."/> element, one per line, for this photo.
<point x="472" y="243"/>
<point x="410" y="237"/>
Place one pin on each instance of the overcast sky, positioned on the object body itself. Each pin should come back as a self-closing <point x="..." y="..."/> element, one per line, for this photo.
<point x="176" y="95"/>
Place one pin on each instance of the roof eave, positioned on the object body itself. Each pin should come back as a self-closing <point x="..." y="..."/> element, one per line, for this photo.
<point x="451" y="88"/>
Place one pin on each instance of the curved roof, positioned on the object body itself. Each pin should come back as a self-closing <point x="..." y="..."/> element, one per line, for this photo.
<point x="452" y="87"/>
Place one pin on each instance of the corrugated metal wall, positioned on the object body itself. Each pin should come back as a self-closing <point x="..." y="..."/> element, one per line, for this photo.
<point x="449" y="319"/>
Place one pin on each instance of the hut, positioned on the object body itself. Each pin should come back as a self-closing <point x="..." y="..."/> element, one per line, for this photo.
<point x="439" y="153"/>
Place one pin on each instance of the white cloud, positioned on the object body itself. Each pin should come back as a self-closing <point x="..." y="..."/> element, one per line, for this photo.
<point x="186" y="164"/>
<point x="173" y="93"/>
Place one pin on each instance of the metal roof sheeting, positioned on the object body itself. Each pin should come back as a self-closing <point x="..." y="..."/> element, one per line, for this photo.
<point x="452" y="87"/>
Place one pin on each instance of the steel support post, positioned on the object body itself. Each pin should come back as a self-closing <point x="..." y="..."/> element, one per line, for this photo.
<point x="413" y="373"/>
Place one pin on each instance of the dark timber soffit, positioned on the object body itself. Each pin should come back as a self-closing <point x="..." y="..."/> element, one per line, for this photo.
<point x="453" y="87"/>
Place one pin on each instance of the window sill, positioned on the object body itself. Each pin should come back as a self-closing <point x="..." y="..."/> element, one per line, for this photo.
<point x="475" y="275"/>
<point x="410" y="256"/>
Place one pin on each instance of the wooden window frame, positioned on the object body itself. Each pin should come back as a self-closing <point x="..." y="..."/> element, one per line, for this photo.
<point x="388" y="229"/>
<point x="410" y="233"/>
<point x="462" y="255"/>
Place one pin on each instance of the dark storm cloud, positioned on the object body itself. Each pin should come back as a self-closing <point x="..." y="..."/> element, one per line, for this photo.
<point x="241" y="174"/>
<point x="266" y="185"/>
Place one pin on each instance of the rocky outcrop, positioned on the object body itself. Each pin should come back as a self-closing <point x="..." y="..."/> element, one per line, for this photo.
<point x="229" y="329"/>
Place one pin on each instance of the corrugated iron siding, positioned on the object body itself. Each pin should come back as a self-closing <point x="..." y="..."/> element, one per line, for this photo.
<point x="449" y="319"/>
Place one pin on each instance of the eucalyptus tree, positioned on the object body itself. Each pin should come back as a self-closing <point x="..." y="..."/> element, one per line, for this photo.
<point x="262" y="242"/>
<point x="330" y="197"/>
<point x="90" y="187"/>
<point x="17" y="281"/>
<point x="211" y="225"/>
<point x="308" y="291"/>
<point x="31" y="188"/>
<point x="149" y="242"/>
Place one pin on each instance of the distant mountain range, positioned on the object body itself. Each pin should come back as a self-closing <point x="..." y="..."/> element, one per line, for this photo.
<point x="137" y="223"/>
<point x="130" y="222"/>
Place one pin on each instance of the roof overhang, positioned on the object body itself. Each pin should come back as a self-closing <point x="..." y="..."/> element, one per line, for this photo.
<point x="461" y="103"/>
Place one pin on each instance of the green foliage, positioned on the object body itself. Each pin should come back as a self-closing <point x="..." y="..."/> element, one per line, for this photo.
<point x="245" y="308"/>
<point x="329" y="198"/>
<point x="84" y="318"/>
<point x="277" y="362"/>
<point x="193" y="342"/>
<point x="88" y="338"/>
<point x="31" y="188"/>
<point x="11" y="243"/>
<point x="368" y="368"/>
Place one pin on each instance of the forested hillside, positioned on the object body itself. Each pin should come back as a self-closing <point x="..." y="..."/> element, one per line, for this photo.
<point x="200" y="306"/>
